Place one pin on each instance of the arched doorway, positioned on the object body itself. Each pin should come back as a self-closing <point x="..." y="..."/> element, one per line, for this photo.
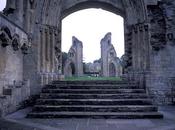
<point x="80" y="25"/>
<point x="71" y="70"/>
<point x="134" y="15"/>
<point x="49" y="28"/>
<point x="112" y="70"/>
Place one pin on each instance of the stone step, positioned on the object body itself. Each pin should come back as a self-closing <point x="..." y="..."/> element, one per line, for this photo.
<point x="93" y="91"/>
<point x="92" y="86"/>
<point x="94" y="102"/>
<point x="95" y="108"/>
<point x="97" y="115"/>
<point x="91" y="96"/>
<point x="94" y="99"/>
<point x="93" y="82"/>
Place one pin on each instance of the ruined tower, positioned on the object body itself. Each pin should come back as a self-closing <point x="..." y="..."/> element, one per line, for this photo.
<point x="74" y="62"/>
<point x="110" y="63"/>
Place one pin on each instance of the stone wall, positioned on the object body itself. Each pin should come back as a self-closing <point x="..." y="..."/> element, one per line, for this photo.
<point x="13" y="48"/>
<point x="162" y="62"/>
<point x="13" y="41"/>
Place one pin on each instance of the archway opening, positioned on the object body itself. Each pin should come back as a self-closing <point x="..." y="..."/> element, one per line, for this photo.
<point x="112" y="70"/>
<point x="71" y="70"/>
<point x="90" y="30"/>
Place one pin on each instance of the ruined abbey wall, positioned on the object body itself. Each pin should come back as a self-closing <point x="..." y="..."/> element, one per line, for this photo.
<point x="110" y="63"/>
<point x="14" y="46"/>
<point x="74" y="63"/>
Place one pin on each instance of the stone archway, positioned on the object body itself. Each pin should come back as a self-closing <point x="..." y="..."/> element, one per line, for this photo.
<point x="133" y="13"/>
<point x="48" y="30"/>
<point x="71" y="70"/>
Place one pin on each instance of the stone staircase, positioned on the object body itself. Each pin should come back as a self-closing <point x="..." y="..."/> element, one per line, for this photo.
<point x="94" y="99"/>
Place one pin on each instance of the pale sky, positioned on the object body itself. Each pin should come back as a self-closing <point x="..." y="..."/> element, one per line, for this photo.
<point x="2" y="4"/>
<point x="90" y="26"/>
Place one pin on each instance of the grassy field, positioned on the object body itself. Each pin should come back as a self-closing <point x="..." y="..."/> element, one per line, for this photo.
<point x="92" y="78"/>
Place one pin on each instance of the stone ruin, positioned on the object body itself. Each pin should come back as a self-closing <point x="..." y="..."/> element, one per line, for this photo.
<point x="110" y="63"/>
<point x="30" y="38"/>
<point x="74" y="63"/>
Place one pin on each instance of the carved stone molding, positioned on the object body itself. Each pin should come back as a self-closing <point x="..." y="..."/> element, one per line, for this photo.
<point x="4" y="39"/>
<point x="170" y="36"/>
<point x="57" y="52"/>
<point x="135" y="28"/>
<point x="158" y="41"/>
<point x="16" y="42"/>
<point x="146" y="27"/>
<point x="157" y="27"/>
<point x="5" y="36"/>
<point x="25" y="48"/>
<point x="140" y="27"/>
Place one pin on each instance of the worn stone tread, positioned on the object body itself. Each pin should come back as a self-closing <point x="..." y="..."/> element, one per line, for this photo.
<point x="95" y="99"/>
<point x="143" y="106"/>
<point x="116" y="115"/>
<point x="93" y="91"/>
<point x="93" y="82"/>
<point x="94" y="108"/>
<point x="97" y="86"/>
<point x="91" y="96"/>
<point x="90" y="99"/>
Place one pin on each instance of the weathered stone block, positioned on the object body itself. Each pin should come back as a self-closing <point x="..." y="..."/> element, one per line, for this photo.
<point x="7" y="91"/>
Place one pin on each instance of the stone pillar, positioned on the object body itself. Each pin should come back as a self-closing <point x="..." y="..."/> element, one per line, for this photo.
<point x="39" y="49"/>
<point x="20" y="11"/>
<point x="135" y="48"/>
<point x="79" y="59"/>
<point x="48" y="50"/>
<point x="29" y="11"/>
<point x="53" y="52"/>
<point x="147" y="40"/>
<point x="104" y="46"/>
<point x="138" y="48"/>
<point x="59" y="45"/>
<point x="27" y="16"/>
<point x="58" y="54"/>
<point x="43" y="50"/>
<point x="55" y="58"/>
<point x="11" y="5"/>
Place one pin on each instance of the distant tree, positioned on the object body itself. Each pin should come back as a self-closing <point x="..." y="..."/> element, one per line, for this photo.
<point x="64" y="58"/>
<point x="123" y="61"/>
<point x="84" y="67"/>
<point x="97" y="61"/>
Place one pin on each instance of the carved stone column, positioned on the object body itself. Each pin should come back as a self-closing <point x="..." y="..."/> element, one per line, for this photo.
<point x="39" y="49"/>
<point x="52" y="51"/>
<point x="135" y="47"/>
<point x="58" y="56"/>
<point x="48" y="50"/>
<point x="43" y="50"/>
<point x="20" y="11"/>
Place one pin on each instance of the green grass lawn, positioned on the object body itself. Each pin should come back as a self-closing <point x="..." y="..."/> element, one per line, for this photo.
<point x="92" y="78"/>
